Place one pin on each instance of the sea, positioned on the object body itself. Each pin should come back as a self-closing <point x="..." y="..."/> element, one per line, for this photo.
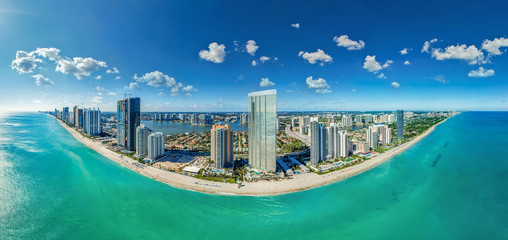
<point x="450" y="185"/>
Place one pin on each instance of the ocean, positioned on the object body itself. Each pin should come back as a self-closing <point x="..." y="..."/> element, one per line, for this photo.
<point x="450" y="185"/>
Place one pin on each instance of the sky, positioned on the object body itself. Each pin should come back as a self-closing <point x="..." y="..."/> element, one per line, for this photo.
<point x="197" y="56"/>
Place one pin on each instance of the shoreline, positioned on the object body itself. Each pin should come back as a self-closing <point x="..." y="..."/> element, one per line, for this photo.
<point x="296" y="184"/>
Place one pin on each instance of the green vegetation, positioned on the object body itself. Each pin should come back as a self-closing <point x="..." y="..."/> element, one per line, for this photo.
<point x="295" y="146"/>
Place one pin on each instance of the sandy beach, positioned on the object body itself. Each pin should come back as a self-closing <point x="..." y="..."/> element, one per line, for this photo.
<point x="297" y="183"/>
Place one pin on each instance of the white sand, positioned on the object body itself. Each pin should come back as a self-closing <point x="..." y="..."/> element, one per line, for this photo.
<point x="263" y="188"/>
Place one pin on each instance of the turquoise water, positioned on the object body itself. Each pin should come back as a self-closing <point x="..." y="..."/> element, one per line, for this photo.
<point x="450" y="185"/>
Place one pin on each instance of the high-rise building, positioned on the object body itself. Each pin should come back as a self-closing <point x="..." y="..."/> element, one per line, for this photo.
<point x="358" y="118"/>
<point x="244" y="118"/>
<point x="155" y="145"/>
<point x="368" y="118"/>
<point x="372" y="136"/>
<point x="343" y="144"/>
<point x="263" y="129"/>
<point x="318" y="145"/>
<point x="293" y="122"/>
<point x="75" y="118"/>
<point x="333" y="141"/>
<point x="78" y="118"/>
<point x="400" y="124"/>
<point x="142" y="133"/>
<point x="221" y="140"/>
<point x="65" y="114"/>
<point x="128" y="112"/>
<point x="205" y="119"/>
<point x="92" y="121"/>
<point x="384" y="134"/>
<point x="347" y="121"/>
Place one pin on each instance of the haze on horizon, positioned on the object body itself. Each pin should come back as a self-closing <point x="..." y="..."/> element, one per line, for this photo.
<point x="199" y="56"/>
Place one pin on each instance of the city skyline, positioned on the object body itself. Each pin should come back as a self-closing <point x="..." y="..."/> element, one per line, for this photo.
<point x="181" y="58"/>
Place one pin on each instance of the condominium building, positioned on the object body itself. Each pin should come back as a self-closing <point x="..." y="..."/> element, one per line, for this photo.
<point x="400" y="124"/>
<point x="142" y="133"/>
<point x="347" y="121"/>
<point x="221" y="139"/>
<point x="92" y="121"/>
<point x="262" y="130"/>
<point x="318" y="143"/>
<point x="372" y="137"/>
<point x="128" y="115"/>
<point x="155" y="145"/>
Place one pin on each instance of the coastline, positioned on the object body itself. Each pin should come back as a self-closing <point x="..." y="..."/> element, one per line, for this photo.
<point x="296" y="184"/>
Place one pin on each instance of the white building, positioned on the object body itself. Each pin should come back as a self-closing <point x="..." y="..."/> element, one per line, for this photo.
<point x="92" y="121"/>
<point x="347" y="121"/>
<point x="155" y="145"/>
<point x="142" y="140"/>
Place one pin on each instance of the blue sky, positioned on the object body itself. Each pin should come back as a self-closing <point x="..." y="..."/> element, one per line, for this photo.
<point x="198" y="56"/>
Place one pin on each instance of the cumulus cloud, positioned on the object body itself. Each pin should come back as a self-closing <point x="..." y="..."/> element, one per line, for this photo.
<point x="25" y="62"/>
<point x="314" y="57"/>
<point x="374" y="66"/>
<point x="51" y="53"/>
<point x="132" y="86"/>
<point x="41" y="80"/>
<point x="156" y="79"/>
<point x="493" y="46"/>
<point x="117" y="77"/>
<point x="97" y="99"/>
<point x="395" y="84"/>
<point x="189" y="88"/>
<point x="264" y="59"/>
<point x="470" y="54"/>
<point x="295" y="25"/>
<point x="251" y="47"/>
<point x="426" y="45"/>
<point x="113" y="71"/>
<point x="441" y="79"/>
<point x="407" y="63"/>
<point x="481" y="72"/>
<point x="215" y="53"/>
<point x="99" y="88"/>
<point x="79" y="67"/>
<point x="344" y="41"/>
<point x="265" y="82"/>
<point x="404" y="51"/>
<point x="254" y="63"/>
<point x="319" y="84"/>
<point x="111" y="93"/>
<point x="98" y="77"/>
<point x="382" y="76"/>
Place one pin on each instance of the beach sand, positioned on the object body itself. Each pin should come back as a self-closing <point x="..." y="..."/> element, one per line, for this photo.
<point x="263" y="188"/>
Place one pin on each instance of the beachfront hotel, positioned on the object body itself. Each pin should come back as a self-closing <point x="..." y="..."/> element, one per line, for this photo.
<point x="155" y="145"/>
<point x="128" y="115"/>
<point x="262" y="129"/>
<point x="221" y="149"/>
<point x="142" y="140"/>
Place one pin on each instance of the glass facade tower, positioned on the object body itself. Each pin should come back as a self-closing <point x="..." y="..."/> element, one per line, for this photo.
<point x="262" y="130"/>
<point x="400" y="124"/>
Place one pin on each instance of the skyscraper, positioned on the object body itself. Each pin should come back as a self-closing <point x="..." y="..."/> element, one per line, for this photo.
<point x="372" y="136"/>
<point x="318" y="143"/>
<point x="343" y="144"/>
<point x="142" y="133"/>
<point x="65" y="114"/>
<point x="400" y="124"/>
<point x="92" y="121"/>
<point x="128" y="112"/>
<point x="78" y="118"/>
<point x="347" y="121"/>
<point x="75" y="119"/>
<point x="221" y="140"/>
<point x="262" y="129"/>
<point x="155" y="145"/>
<point x="333" y="142"/>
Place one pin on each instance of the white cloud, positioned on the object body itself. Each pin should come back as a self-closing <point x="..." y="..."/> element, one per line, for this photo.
<point x="112" y="71"/>
<point x="441" y="79"/>
<point x="470" y="54"/>
<point x="395" y="84"/>
<point x="97" y="99"/>
<point x="344" y="41"/>
<point x="426" y="45"/>
<point x="79" y="67"/>
<point x="264" y="59"/>
<point x="156" y="79"/>
<point x="99" y="88"/>
<point x="37" y="101"/>
<point x="319" y="84"/>
<point x="481" y="72"/>
<point x="189" y="88"/>
<point x="188" y="94"/>
<point x="403" y="51"/>
<point x="265" y="82"/>
<point x="25" y="62"/>
<point x="41" y="80"/>
<point x="251" y="47"/>
<point x="132" y="86"/>
<point x="111" y="93"/>
<point x="372" y="65"/>
<point x="314" y="57"/>
<point x="216" y="53"/>
<point x="493" y="46"/>
<point x="407" y="63"/>
<point x="295" y="25"/>
<point x="254" y="63"/>
<point x="382" y="76"/>
<point x="51" y="53"/>
<point x="117" y="77"/>
<point x="98" y="77"/>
